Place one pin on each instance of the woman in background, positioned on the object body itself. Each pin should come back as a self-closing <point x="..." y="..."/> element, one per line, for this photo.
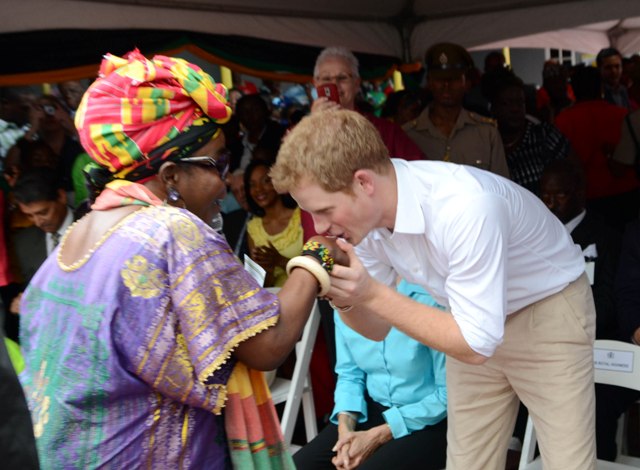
<point x="275" y="233"/>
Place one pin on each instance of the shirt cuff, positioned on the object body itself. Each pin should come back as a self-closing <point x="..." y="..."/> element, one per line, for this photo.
<point x="355" y="405"/>
<point x="395" y="420"/>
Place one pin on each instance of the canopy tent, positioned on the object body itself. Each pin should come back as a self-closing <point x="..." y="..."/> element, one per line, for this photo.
<point x="623" y="34"/>
<point x="66" y="38"/>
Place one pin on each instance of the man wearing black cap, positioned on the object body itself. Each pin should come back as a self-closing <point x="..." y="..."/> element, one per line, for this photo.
<point x="445" y="130"/>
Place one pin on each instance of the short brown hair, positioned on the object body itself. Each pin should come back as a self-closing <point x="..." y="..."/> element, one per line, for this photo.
<point x="329" y="147"/>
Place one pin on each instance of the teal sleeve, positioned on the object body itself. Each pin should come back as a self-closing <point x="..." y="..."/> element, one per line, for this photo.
<point x="349" y="393"/>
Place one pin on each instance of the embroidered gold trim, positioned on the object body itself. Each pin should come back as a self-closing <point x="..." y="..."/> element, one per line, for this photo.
<point x="226" y="354"/>
<point x="82" y="261"/>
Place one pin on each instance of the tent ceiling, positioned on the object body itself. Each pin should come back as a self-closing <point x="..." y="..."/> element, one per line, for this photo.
<point x="370" y="26"/>
<point x="358" y="10"/>
<point x="402" y="29"/>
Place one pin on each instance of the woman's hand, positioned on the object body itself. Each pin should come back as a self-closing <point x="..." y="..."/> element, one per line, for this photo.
<point x="268" y="257"/>
<point x="339" y="256"/>
<point x="354" y="448"/>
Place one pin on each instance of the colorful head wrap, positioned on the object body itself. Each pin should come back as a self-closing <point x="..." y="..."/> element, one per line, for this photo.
<point x="140" y="113"/>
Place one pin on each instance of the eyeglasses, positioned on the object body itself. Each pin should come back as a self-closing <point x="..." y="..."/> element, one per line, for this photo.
<point x="342" y="78"/>
<point x="220" y="163"/>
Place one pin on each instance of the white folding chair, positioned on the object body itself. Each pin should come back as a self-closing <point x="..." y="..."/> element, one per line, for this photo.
<point x="615" y="363"/>
<point x="298" y="390"/>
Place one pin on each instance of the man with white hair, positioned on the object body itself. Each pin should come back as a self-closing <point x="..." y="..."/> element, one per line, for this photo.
<point x="338" y="65"/>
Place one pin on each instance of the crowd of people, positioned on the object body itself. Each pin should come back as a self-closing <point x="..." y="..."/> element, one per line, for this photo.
<point x="467" y="245"/>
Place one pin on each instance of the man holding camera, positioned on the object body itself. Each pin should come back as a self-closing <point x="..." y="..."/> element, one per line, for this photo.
<point x="338" y="66"/>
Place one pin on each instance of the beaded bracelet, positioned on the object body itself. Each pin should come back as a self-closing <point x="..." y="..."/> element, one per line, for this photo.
<point x="319" y="252"/>
<point x="314" y="268"/>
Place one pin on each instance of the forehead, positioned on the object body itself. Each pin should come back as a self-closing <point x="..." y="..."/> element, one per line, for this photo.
<point x="513" y="92"/>
<point x="70" y="87"/>
<point x="212" y="146"/>
<point x="312" y="198"/>
<point x="259" y="171"/>
<point x="554" y="183"/>
<point x="44" y="100"/>
<point x="333" y="65"/>
<point x="612" y="60"/>
<point x="37" y="206"/>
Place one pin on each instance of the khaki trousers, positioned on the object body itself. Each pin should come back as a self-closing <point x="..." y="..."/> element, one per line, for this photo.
<point x="546" y="360"/>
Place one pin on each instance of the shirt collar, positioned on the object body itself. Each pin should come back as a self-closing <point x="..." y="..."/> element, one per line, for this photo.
<point x="409" y="213"/>
<point x="573" y="223"/>
<point x="423" y="122"/>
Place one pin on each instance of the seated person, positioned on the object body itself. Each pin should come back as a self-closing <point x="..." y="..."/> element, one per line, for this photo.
<point x="275" y="233"/>
<point x="390" y="403"/>
<point x="529" y="144"/>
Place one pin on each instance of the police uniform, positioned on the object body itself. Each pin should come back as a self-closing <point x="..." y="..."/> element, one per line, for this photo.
<point x="474" y="139"/>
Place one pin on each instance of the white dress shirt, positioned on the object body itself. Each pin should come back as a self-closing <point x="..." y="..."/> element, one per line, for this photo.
<point x="573" y="223"/>
<point x="68" y="220"/>
<point x="480" y="244"/>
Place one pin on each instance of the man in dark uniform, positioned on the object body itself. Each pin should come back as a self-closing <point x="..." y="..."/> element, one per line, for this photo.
<point x="445" y="130"/>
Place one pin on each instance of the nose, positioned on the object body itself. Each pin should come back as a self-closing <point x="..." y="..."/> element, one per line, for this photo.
<point x="549" y="201"/>
<point x="38" y="220"/>
<point x="321" y="225"/>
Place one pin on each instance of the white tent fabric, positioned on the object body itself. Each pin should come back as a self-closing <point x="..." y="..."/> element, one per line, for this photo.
<point x="623" y="34"/>
<point x="399" y="28"/>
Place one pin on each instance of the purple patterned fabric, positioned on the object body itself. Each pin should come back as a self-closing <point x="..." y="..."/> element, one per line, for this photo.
<point x="128" y="355"/>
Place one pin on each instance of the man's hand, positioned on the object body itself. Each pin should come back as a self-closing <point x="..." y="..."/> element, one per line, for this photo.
<point x="354" y="448"/>
<point x="323" y="104"/>
<point x="351" y="284"/>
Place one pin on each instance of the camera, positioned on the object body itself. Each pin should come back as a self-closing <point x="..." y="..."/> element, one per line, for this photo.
<point x="49" y="109"/>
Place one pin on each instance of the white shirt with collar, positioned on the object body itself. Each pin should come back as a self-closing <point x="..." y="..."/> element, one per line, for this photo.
<point x="480" y="244"/>
<point x="573" y="223"/>
<point x="68" y="220"/>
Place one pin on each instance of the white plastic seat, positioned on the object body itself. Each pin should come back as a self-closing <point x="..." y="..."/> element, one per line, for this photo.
<point x="298" y="390"/>
<point x="615" y="363"/>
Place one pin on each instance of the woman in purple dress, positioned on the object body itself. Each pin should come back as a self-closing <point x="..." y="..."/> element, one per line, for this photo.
<point x="142" y="330"/>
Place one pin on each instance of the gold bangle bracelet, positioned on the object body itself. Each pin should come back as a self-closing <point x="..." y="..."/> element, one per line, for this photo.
<point x="314" y="268"/>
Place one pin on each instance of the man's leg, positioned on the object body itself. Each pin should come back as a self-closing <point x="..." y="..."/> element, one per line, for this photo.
<point x="548" y="358"/>
<point x="481" y="413"/>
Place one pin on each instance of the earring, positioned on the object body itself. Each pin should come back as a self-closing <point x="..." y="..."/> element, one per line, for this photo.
<point x="173" y="196"/>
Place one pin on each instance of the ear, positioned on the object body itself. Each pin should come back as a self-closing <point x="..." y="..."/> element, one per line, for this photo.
<point x="169" y="174"/>
<point x="62" y="196"/>
<point x="364" y="180"/>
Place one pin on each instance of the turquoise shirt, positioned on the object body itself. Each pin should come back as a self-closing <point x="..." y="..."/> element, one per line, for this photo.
<point x="398" y="372"/>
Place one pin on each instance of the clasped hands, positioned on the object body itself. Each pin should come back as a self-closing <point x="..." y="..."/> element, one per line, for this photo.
<point x="354" y="447"/>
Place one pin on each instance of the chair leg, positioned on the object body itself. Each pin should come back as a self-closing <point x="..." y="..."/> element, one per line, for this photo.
<point x="621" y="434"/>
<point x="309" y="411"/>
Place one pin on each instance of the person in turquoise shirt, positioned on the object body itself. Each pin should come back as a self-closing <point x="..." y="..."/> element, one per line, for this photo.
<point x="390" y="403"/>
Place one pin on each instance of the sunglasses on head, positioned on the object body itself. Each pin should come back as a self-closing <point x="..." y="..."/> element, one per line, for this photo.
<point x="220" y="163"/>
